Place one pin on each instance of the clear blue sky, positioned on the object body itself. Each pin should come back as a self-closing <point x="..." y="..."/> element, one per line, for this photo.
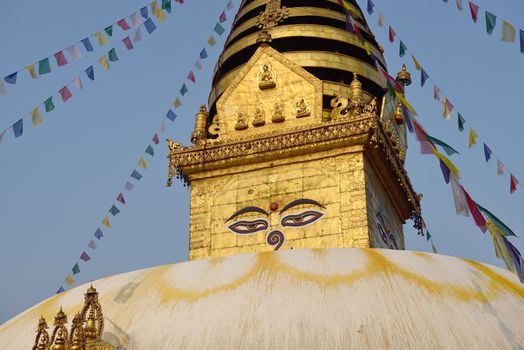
<point x="59" y="179"/>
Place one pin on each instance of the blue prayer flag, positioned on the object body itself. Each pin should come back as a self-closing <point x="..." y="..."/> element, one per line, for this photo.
<point x="203" y="54"/>
<point x="521" y="40"/>
<point x="90" y="71"/>
<point x="150" y="25"/>
<point x="150" y="150"/>
<point x="143" y="12"/>
<point x="99" y="234"/>
<point x="171" y="115"/>
<point x="136" y="175"/>
<point x="370" y="7"/>
<point x="407" y="118"/>
<point x="423" y="77"/>
<point x="60" y="290"/>
<point x="446" y="172"/>
<point x="350" y="26"/>
<point x="11" y="78"/>
<point x="18" y="128"/>
<point x="87" y="44"/>
<point x="487" y="152"/>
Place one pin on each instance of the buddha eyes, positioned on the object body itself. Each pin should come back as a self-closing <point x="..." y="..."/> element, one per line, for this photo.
<point x="302" y="219"/>
<point x="245" y="227"/>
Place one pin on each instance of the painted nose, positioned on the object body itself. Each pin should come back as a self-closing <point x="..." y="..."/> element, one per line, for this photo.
<point x="275" y="239"/>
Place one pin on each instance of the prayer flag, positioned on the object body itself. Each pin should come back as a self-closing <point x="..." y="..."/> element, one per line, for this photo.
<point x="85" y="257"/>
<point x="65" y="93"/>
<point x="191" y="77"/>
<point x="92" y="244"/>
<point x="138" y="35"/>
<point x="402" y="49"/>
<point x="508" y="32"/>
<point x="350" y="26"/>
<point x="461" y="204"/>
<point x="135" y="19"/>
<point x="121" y="199"/>
<point x="160" y="15"/>
<point x="143" y="12"/>
<point x="211" y="41"/>
<point x="380" y="20"/>
<point x="18" y="128"/>
<point x="155" y="139"/>
<point x="142" y="163"/>
<point x="474" y="11"/>
<point x="2" y="87"/>
<point x="475" y="212"/>
<point x="32" y="71"/>
<point x="229" y="5"/>
<point x="113" y="57"/>
<point x="98" y="233"/>
<point x="114" y="210"/>
<point x="2" y="135"/>
<point x="78" y="82"/>
<point x="106" y="222"/>
<point x="445" y="171"/>
<point x="90" y="72"/>
<point x="423" y="77"/>
<point x="74" y="52"/>
<point x="166" y="5"/>
<point x="428" y="235"/>
<point x="109" y="30"/>
<point x="407" y="118"/>
<point x="517" y="259"/>
<point x="436" y="93"/>
<point x="203" y="54"/>
<point x="136" y="175"/>
<point x="123" y="24"/>
<point x="370" y="7"/>
<point x="150" y="25"/>
<point x="44" y="67"/>
<point x="69" y="280"/>
<point x="127" y="43"/>
<point x="61" y="60"/>
<point x="104" y="62"/>
<point x="472" y="137"/>
<point x="406" y="103"/>
<point x="129" y="186"/>
<point x="76" y="269"/>
<point x="49" y="105"/>
<point x="150" y="151"/>
<point x="162" y="126"/>
<point x="222" y="17"/>
<point x="391" y="34"/>
<point x="417" y="64"/>
<point x="60" y="290"/>
<point x="496" y="221"/>
<point x="513" y="182"/>
<point x="198" y="65"/>
<point x="183" y="90"/>
<point x="487" y="152"/>
<point x="433" y="248"/>
<point x="446" y="161"/>
<point x="447" y="148"/>
<point x="461" y="122"/>
<point x="102" y="40"/>
<point x="36" y="117"/>
<point x="219" y="29"/>
<point x="521" y="40"/>
<point x="171" y="115"/>
<point x="177" y="103"/>
<point x="491" y="22"/>
<point x="448" y="107"/>
<point x="11" y="78"/>
<point x="154" y="6"/>
<point x="87" y="44"/>
<point x="459" y="5"/>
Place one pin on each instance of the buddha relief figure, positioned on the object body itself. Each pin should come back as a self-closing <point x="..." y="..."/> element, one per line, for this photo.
<point x="258" y="118"/>
<point x="241" y="122"/>
<point x="302" y="110"/>
<point x="278" y="113"/>
<point x="266" y="77"/>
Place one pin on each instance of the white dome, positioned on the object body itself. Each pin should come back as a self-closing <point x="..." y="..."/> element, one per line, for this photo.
<point x="301" y="299"/>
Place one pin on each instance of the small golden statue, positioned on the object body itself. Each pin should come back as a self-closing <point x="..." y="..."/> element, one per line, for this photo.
<point x="258" y="118"/>
<point x="266" y="77"/>
<point x="278" y="113"/>
<point x="241" y="122"/>
<point x="302" y="110"/>
<point x="399" y="115"/>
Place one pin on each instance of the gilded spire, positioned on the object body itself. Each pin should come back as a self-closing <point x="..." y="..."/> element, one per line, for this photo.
<point x="270" y="18"/>
<point x="42" y="335"/>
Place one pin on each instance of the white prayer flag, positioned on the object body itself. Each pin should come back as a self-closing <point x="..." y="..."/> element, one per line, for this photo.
<point x="74" y="52"/>
<point x="78" y="82"/>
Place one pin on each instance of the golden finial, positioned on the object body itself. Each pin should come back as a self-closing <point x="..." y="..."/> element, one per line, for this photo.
<point x="270" y="18"/>
<point x="42" y="336"/>
<point x="198" y="137"/>
<point x="60" y="342"/>
<point x="60" y="318"/>
<point x="90" y="329"/>
<point x="356" y="95"/>
<point x="77" y="339"/>
<point x="404" y="77"/>
<point x="59" y="339"/>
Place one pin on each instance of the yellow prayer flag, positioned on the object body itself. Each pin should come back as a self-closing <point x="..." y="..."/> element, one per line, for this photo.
<point x="32" y="71"/>
<point x="472" y="137"/>
<point x="454" y="170"/>
<point x="417" y="64"/>
<point x="36" y="117"/>
<point x="177" y="103"/>
<point x="501" y="249"/>
<point x="106" y="222"/>
<point x="102" y="40"/>
<point x="211" y="41"/>
<point x="160" y="15"/>
<point x="406" y="103"/>
<point x="142" y="163"/>
<point x="70" y="280"/>
<point x="350" y="8"/>
<point x="104" y="62"/>
<point x="508" y="32"/>
<point x="154" y="6"/>
<point x="367" y="48"/>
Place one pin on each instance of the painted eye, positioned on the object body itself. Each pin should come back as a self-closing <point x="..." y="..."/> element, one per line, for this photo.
<point x="302" y="219"/>
<point x="245" y="227"/>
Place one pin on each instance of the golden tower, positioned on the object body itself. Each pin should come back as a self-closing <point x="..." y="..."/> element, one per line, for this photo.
<point x="300" y="147"/>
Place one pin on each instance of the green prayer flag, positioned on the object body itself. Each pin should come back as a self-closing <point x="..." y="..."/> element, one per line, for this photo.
<point x="114" y="210"/>
<point x="109" y="30"/>
<point x="166" y="5"/>
<point x="113" y="57"/>
<point x="44" y="67"/>
<point x="403" y="49"/>
<point x="447" y="148"/>
<point x="150" y="151"/>
<point x="183" y="90"/>
<point x="461" y="122"/>
<point x="76" y="269"/>
<point x="391" y="89"/>
<point x="428" y="235"/>
<point x="491" y="21"/>
<point x="49" y="106"/>
<point x="502" y="226"/>
<point x="219" y="29"/>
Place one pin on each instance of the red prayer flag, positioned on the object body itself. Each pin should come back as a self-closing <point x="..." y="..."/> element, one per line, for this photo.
<point x="60" y="59"/>
<point x="65" y="93"/>
<point x="474" y="11"/>
<point x="475" y="212"/>
<point x="391" y="34"/>
<point x="191" y="76"/>
<point x="85" y="257"/>
<point x="121" y="199"/>
<point x="127" y="42"/>
<point x="513" y="184"/>
<point x="123" y="24"/>
<point x="155" y="139"/>
<point x="222" y="17"/>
